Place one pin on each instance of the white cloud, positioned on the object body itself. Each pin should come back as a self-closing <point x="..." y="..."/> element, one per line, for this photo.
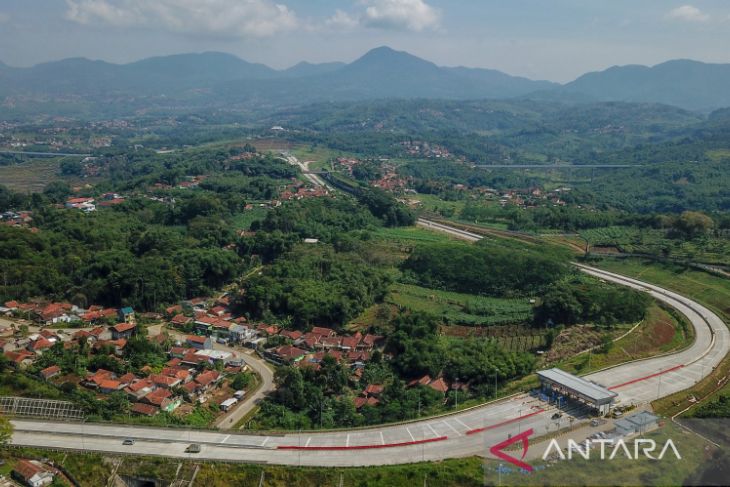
<point x="415" y="15"/>
<point x="688" y="13"/>
<point x="227" y="18"/>
<point x="342" y="20"/>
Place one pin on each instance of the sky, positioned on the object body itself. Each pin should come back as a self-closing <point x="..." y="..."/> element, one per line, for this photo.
<point x="557" y="40"/>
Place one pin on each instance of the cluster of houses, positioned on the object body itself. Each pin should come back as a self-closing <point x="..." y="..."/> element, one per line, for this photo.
<point x="418" y="148"/>
<point x="53" y="313"/>
<point x="193" y="372"/>
<point x="21" y="219"/>
<point x="88" y="204"/>
<point x="299" y="191"/>
<point x="179" y="380"/>
<point x="309" y="349"/>
<point x="347" y="163"/>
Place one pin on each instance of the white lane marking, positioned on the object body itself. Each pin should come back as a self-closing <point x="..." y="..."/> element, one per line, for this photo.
<point x="410" y="434"/>
<point x="382" y="440"/>
<point x="225" y="439"/>
<point x="265" y="441"/>
<point x="462" y="423"/>
<point x="433" y="430"/>
<point x="452" y="428"/>
<point x="347" y="443"/>
<point x="307" y="443"/>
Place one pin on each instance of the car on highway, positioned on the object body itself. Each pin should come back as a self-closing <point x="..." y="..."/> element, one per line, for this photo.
<point x="128" y="441"/>
<point x="193" y="448"/>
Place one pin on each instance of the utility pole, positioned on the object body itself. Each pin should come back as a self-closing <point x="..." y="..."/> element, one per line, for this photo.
<point x="457" y="393"/>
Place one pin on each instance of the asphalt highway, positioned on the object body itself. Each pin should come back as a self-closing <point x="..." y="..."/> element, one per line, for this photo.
<point x="466" y="433"/>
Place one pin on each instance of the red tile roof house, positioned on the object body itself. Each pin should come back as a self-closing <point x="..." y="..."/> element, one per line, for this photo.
<point x="369" y="342"/>
<point x="191" y="388"/>
<point x="178" y="373"/>
<point x="323" y="332"/>
<point x="162" y="398"/>
<point x="20" y="358"/>
<point x="40" y="345"/>
<point x="437" y="384"/>
<point x="53" y="311"/>
<point x="293" y="335"/>
<point x="110" y="385"/>
<point x="165" y="381"/>
<point x="139" y="389"/>
<point x="362" y="401"/>
<point x="180" y="320"/>
<point x="123" y="330"/>
<point x="94" y="380"/>
<point x="33" y="473"/>
<point x="199" y="342"/>
<point x="207" y="379"/>
<point x="308" y="340"/>
<point x="127" y="379"/>
<point x="268" y="330"/>
<point x="173" y="310"/>
<point x="350" y="343"/>
<point x="373" y="390"/>
<point x="144" y="409"/>
<point x="50" y="372"/>
<point x="218" y="311"/>
<point x="118" y="345"/>
<point x="288" y="354"/>
<point x="330" y="342"/>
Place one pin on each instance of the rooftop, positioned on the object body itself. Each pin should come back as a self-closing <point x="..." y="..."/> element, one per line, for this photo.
<point x="577" y="384"/>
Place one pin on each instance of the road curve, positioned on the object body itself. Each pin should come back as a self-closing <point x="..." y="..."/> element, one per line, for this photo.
<point x="466" y="433"/>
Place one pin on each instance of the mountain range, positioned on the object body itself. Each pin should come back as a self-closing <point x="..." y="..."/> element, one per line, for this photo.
<point x="214" y="79"/>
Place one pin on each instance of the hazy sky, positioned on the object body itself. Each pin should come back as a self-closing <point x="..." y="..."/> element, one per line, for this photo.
<point x="549" y="39"/>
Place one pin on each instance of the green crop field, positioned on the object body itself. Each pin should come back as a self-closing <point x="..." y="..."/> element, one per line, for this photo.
<point x="410" y="235"/>
<point x="242" y="221"/>
<point x="461" y="309"/>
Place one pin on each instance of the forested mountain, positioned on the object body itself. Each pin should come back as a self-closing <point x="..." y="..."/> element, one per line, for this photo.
<point x="684" y="83"/>
<point x="212" y="80"/>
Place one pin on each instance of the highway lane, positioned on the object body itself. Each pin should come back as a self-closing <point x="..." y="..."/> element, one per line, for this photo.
<point x="465" y="433"/>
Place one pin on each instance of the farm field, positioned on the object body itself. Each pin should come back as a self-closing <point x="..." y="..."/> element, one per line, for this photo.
<point x="30" y="176"/>
<point x="243" y="221"/>
<point x="460" y="309"/>
<point x="409" y="235"/>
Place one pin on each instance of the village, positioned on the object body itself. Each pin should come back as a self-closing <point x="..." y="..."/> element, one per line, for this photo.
<point x="195" y="352"/>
